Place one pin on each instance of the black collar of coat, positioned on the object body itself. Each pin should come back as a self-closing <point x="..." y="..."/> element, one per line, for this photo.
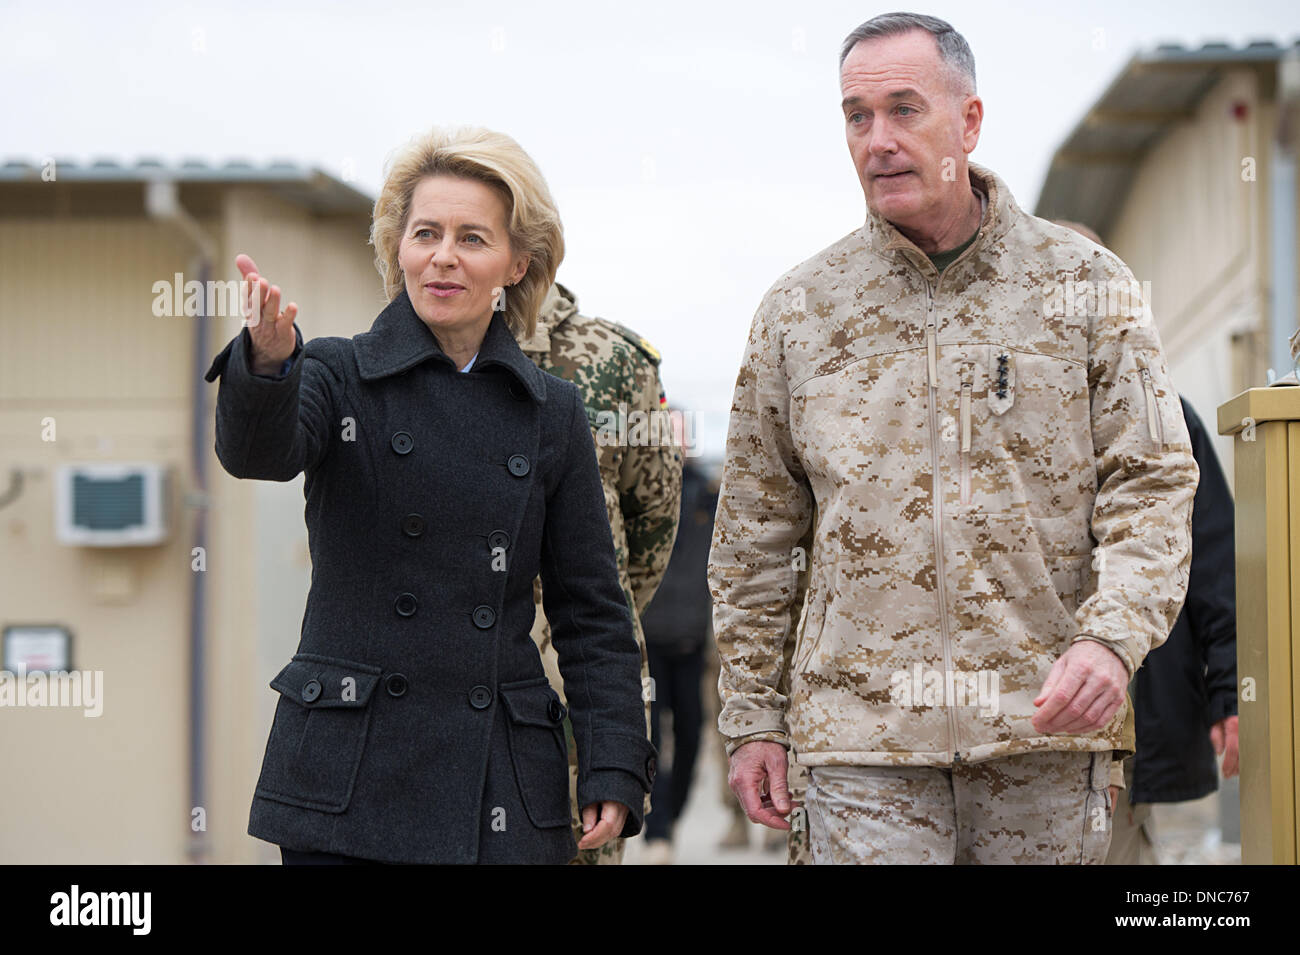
<point x="399" y="340"/>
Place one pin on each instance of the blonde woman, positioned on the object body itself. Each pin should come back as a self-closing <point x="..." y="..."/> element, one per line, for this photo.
<point x="444" y="472"/>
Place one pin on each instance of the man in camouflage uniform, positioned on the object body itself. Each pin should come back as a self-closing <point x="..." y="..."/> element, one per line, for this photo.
<point x="977" y="403"/>
<point x="640" y="467"/>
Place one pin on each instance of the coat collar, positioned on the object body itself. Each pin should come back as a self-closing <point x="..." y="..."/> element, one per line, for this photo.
<point x="1001" y="213"/>
<point x="399" y="340"/>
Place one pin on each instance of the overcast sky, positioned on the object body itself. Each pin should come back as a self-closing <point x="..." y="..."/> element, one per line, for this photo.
<point x="696" y="149"/>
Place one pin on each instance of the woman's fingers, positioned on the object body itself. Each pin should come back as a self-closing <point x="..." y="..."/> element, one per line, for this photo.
<point x="270" y="329"/>
<point x="258" y="292"/>
<point x="246" y="265"/>
<point x="591" y="826"/>
<point x="249" y="302"/>
<point x="610" y="824"/>
<point x="269" y="311"/>
<point x="271" y="307"/>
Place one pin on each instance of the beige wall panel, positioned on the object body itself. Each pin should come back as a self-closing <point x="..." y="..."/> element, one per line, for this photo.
<point x="72" y="294"/>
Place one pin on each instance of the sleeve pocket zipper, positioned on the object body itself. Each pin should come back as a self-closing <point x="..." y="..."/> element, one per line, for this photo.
<point x="1153" y="408"/>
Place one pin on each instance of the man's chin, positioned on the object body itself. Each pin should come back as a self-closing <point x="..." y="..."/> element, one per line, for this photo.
<point x="896" y="208"/>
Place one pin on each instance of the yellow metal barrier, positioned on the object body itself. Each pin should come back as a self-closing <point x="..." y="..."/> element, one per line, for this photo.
<point x="1266" y="423"/>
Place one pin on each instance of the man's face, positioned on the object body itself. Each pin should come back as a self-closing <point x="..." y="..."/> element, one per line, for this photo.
<point x="903" y="119"/>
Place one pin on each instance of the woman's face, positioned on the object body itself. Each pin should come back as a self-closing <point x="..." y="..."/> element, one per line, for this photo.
<point x="455" y="251"/>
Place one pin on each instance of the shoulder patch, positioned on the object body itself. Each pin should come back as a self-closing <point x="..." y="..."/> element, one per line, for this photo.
<point x="642" y="345"/>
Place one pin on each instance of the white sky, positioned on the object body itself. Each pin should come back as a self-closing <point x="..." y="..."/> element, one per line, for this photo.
<point x="696" y="149"/>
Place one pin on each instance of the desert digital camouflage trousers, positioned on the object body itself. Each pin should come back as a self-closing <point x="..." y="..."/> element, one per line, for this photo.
<point x="1040" y="808"/>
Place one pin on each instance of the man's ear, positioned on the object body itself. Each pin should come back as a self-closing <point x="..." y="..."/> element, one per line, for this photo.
<point x="972" y="119"/>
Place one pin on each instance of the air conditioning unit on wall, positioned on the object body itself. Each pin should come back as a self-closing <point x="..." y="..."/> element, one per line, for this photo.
<point x="111" y="504"/>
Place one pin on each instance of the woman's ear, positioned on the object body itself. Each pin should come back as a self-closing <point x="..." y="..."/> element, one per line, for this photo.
<point x="521" y="269"/>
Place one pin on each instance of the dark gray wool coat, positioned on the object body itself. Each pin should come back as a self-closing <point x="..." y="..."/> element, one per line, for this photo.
<point x="415" y="722"/>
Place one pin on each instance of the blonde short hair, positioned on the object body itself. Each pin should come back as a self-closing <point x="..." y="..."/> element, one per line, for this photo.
<point x="500" y="162"/>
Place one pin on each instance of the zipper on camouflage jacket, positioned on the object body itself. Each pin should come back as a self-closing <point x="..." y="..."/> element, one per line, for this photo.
<point x="936" y="485"/>
<point x="936" y="490"/>
<point x="1154" y="425"/>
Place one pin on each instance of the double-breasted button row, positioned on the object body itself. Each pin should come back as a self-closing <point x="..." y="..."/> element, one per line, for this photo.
<point x="406" y="604"/>
<point x="483" y="616"/>
<point x="517" y="464"/>
<point x="413" y="526"/>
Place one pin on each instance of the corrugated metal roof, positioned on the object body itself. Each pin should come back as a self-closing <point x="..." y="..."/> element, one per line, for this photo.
<point x="311" y="188"/>
<point x="1093" y="170"/>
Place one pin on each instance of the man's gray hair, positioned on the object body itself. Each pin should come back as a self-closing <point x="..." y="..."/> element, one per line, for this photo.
<point x="953" y="48"/>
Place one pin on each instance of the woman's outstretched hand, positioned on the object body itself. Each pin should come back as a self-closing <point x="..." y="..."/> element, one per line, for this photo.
<point x="270" y="329"/>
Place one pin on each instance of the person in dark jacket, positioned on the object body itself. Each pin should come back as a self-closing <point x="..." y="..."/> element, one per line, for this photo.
<point x="444" y="471"/>
<point x="676" y="625"/>
<point x="1185" y="693"/>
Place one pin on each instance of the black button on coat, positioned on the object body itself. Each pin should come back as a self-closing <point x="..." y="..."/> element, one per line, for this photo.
<point x="415" y="722"/>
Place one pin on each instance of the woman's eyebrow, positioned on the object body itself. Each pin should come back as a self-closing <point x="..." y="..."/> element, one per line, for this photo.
<point x="465" y="227"/>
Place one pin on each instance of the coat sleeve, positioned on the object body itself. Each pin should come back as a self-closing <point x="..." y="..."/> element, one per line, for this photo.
<point x="649" y="492"/>
<point x="1211" y="605"/>
<point x="271" y="428"/>
<point x="591" y="630"/>
<point x="764" y="510"/>
<point x="1146" y="478"/>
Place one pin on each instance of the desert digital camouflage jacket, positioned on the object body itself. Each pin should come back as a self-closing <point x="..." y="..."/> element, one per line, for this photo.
<point x="1000" y="467"/>
<point x="640" y="465"/>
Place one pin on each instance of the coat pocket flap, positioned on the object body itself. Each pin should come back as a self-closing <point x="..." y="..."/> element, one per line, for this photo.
<point x="632" y="754"/>
<point x="326" y="682"/>
<point x="532" y="703"/>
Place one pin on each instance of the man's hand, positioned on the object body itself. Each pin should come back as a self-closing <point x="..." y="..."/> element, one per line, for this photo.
<point x="270" y="330"/>
<point x="1083" y="691"/>
<point x="758" y="778"/>
<point x="1223" y="735"/>
<point x="601" y="821"/>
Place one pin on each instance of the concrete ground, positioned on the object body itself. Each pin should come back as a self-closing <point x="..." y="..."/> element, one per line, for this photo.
<point x="1190" y="833"/>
